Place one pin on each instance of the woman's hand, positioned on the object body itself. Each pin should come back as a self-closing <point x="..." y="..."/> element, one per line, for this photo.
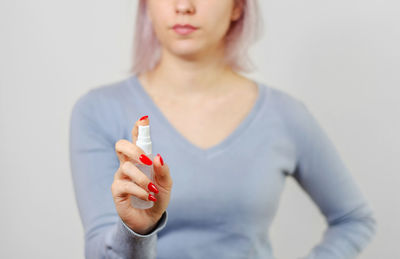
<point x="129" y="180"/>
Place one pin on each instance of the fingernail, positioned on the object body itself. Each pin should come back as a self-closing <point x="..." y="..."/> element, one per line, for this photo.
<point x="152" y="198"/>
<point x="145" y="159"/>
<point x="162" y="162"/>
<point x="152" y="188"/>
<point x="144" y="117"/>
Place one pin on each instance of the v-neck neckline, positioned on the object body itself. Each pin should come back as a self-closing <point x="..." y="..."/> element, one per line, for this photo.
<point x="138" y="88"/>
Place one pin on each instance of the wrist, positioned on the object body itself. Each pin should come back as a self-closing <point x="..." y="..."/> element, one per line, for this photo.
<point x="150" y="228"/>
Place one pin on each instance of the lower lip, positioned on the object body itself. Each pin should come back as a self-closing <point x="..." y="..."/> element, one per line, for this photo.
<point x="183" y="30"/>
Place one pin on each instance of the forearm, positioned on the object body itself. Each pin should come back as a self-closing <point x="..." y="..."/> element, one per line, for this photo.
<point x="346" y="237"/>
<point x="119" y="241"/>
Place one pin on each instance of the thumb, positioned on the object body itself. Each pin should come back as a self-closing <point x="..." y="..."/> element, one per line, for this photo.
<point x="162" y="176"/>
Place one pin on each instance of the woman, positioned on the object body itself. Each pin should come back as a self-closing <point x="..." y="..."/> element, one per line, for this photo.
<point x="227" y="145"/>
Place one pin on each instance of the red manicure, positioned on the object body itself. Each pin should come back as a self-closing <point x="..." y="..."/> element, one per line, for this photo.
<point x="144" y="117"/>
<point x="152" y="198"/>
<point x="162" y="162"/>
<point x="145" y="159"/>
<point x="152" y="188"/>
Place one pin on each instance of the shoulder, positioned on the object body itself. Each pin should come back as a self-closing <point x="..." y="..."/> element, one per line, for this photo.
<point x="102" y="107"/>
<point x="287" y="105"/>
<point x="107" y="92"/>
<point x="294" y="113"/>
<point x="300" y="122"/>
<point x="103" y="97"/>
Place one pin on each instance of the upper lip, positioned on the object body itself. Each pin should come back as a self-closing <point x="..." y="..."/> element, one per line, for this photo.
<point x="184" y="26"/>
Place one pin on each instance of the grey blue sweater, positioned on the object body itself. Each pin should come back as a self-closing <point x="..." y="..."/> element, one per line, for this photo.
<point x="224" y="197"/>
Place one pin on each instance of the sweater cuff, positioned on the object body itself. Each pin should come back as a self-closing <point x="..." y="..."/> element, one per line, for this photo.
<point x="123" y="242"/>
<point x="160" y="225"/>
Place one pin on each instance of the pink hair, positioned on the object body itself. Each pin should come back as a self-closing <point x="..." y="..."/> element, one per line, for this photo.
<point x="240" y="36"/>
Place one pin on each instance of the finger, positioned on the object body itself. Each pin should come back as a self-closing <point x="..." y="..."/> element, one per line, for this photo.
<point x="123" y="188"/>
<point x="134" y="174"/>
<point x="162" y="174"/>
<point x="127" y="151"/>
<point x="143" y="121"/>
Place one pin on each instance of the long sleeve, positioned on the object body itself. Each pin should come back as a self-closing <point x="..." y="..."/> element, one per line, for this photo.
<point x="93" y="164"/>
<point x="322" y="174"/>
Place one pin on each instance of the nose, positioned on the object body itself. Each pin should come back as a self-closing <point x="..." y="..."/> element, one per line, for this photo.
<point x="184" y="7"/>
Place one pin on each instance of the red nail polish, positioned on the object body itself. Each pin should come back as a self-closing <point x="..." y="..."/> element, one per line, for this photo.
<point x="152" y="188"/>
<point x="152" y="198"/>
<point x="145" y="159"/>
<point x="144" y="117"/>
<point x="161" y="160"/>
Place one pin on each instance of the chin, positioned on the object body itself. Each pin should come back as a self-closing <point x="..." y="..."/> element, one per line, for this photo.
<point x="186" y="49"/>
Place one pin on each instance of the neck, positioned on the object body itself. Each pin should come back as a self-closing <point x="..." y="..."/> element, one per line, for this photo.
<point x="177" y="75"/>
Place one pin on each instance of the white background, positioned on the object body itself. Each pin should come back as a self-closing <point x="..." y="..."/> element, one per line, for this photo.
<point x="340" y="57"/>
